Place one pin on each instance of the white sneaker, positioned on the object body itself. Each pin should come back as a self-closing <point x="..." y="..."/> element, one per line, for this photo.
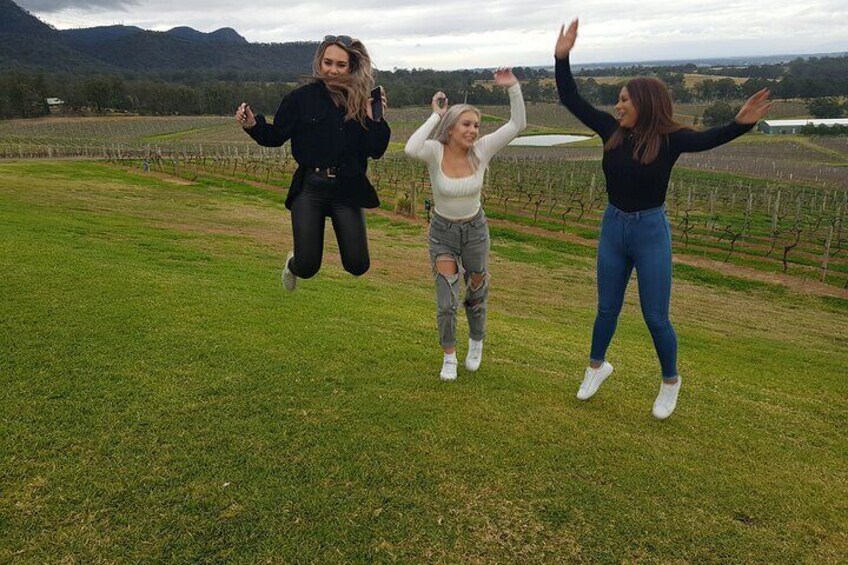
<point x="475" y="355"/>
<point x="448" y="368"/>
<point x="666" y="400"/>
<point x="592" y="380"/>
<point x="289" y="278"/>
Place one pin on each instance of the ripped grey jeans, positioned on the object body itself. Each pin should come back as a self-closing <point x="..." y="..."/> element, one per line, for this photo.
<point x="466" y="242"/>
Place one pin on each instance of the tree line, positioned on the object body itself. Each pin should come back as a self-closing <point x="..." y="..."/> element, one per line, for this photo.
<point x="23" y="94"/>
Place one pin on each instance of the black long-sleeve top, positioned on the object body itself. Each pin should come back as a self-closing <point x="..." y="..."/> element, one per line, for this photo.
<point x="320" y="137"/>
<point x="632" y="186"/>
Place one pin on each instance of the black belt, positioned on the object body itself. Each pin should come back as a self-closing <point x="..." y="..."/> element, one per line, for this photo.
<point x="325" y="172"/>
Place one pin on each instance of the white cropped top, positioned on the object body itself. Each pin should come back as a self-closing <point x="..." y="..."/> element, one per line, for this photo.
<point x="459" y="198"/>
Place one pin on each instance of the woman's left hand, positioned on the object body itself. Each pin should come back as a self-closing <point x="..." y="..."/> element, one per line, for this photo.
<point x="755" y="109"/>
<point x="371" y="101"/>
<point x="504" y="77"/>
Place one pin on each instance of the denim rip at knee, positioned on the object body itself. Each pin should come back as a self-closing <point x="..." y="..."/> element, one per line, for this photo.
<point x="466" y="243"/>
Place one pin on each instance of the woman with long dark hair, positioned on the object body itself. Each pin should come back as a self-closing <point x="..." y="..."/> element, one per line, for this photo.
<point x="641" y="145"/>
<point x="459" y="233"/>
<point x="329" y="122"/>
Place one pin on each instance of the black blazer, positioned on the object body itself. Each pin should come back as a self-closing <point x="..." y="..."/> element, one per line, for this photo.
<point x="320" y="137"/>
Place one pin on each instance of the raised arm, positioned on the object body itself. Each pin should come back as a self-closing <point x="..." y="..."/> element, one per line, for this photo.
<point x="755" y="109"/>
<point x="377" y="133"/>
<point x="418" y="146"/>
<point x="598" y="121"/>
<point x="377" y="138"/>
<point x="488" y="145"/>
<point x="274" y="135"/>
<point x="691" y="141"/>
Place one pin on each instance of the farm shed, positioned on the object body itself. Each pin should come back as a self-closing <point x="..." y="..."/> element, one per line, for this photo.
<point x="794" y="126"/>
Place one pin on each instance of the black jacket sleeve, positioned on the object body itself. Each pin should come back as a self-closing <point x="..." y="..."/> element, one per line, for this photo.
<point x="377" y="137"/>
<point x="285" y="120"/>
<point x="598" y="121"/>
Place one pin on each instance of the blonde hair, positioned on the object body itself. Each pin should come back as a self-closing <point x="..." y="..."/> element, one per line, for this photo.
<point x="351" y="90"/>
<point x="446" y="124"/>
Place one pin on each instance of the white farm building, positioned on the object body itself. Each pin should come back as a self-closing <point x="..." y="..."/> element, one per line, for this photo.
<point x="794" y="126"/>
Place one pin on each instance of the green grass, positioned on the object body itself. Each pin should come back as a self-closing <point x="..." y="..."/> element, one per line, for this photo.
<point x="163" y="400"/>
<point x="490" y="119"/>
<point x="186" y="133"/>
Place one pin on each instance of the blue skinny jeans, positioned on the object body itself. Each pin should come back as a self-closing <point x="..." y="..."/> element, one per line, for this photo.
<point x="641" y="240"/>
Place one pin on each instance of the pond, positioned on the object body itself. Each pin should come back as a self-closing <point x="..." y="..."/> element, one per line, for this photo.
<point x="546" y="140"/>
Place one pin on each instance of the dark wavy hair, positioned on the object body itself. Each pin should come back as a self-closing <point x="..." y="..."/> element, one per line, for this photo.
<point x="654" y="120"/>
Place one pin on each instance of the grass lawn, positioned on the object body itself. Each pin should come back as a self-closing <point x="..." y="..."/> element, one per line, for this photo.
<point x="163" y="400"/>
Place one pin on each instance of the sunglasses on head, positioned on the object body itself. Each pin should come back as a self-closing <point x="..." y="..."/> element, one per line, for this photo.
<point x="345" y="40"/>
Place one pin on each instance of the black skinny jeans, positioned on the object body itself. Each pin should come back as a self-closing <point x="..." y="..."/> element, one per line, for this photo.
<point x="316" y="202"/>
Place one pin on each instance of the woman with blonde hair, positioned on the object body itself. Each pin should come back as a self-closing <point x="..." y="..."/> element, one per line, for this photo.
<point x="459" y="233"/>
<point x="641" y="145"/>
<point x="332" y="132"/>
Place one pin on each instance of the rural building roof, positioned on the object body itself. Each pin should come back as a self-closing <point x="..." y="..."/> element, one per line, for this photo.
<point x="810" y="121"/>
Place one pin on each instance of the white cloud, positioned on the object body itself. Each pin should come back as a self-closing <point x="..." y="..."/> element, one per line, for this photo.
<point x="456" y="34"/>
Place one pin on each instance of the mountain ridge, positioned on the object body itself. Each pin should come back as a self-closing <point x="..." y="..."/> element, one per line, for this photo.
<point x="27" y="43"/>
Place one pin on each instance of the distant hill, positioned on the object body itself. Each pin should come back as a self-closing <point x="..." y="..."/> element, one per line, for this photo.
<point x="14" y="19"/>
<point x="28" y="43"/>
<point x="46" y="53"/>
<point x="94" y="35"/>
<point x="223" y="35"/>
<point x="148" y="51"/>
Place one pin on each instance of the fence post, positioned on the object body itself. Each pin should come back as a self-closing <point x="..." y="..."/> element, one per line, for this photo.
<point x="826" y="253"/>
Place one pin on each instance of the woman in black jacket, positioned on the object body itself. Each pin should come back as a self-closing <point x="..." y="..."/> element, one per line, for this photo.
<point x="332" y="132"/>
<point x="641" y="145"/>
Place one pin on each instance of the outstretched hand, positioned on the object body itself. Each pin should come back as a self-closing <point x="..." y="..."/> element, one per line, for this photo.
<point x="756" y="108"/>
<point x="245" y="117"/>
<point x="565" y="41"/>
<point x="504" y="77"/>
<point x="440" y="103"/>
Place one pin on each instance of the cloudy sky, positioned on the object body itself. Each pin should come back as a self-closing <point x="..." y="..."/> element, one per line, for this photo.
<point x="451" y="34"/>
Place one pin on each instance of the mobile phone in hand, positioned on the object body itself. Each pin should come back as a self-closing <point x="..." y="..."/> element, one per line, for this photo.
<point x="377" y="103"/>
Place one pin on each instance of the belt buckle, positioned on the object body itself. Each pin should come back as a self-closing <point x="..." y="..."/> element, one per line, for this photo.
<point x="326" y="172"/>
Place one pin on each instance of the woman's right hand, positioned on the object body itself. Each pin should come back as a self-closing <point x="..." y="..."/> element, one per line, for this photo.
<point x="438" y="98"/>
<point x="245" y="117"/>
<point x="565" y="41"/>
